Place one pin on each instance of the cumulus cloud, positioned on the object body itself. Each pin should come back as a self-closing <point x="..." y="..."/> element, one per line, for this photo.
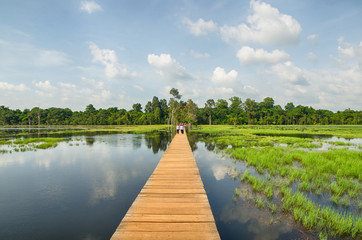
<point x="200" y="27"/>
<point x="46" y="85"/>
<point x="163" y="60"/>
<point x="12" y="87"/>
<point x="350" y="50"/>
<point x="341" y="86"/>
<point x="168" y="67"/>
<point x="109" y="59"/>
<point x="248" y="55"/>
<point x="289" y="73"/>
<point x="90" y="6"/>
<point x="219" y="76"/>
<point x="266" y="25"/>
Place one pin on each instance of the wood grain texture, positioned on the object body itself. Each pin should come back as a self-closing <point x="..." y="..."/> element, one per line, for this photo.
<point x="173" y="203"/>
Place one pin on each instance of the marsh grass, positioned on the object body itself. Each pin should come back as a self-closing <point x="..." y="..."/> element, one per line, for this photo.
<point x="285" y="159"/>
<point x="31" y="144"/>
<point x="320" y="131"/>
<point x="47" y="145"/>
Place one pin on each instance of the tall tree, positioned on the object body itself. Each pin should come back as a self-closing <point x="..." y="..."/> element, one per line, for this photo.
<point x="251" y="108"/>
<point x="209" y="106"/>
<point x="235" y="108"/>
<point x="221" y="111"/>
<point x="191" y="113"/>
<point x="174" y="104"/>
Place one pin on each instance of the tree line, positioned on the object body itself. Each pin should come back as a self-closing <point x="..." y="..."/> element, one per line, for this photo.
<point x="160" y="111"/>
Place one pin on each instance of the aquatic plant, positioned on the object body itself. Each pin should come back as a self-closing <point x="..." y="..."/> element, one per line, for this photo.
<point x="284" y="161"/>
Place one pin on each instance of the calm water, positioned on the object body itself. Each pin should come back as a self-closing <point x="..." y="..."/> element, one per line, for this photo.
<point x="82" y="189"/>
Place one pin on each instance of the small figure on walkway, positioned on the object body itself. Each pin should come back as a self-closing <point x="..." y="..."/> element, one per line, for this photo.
<point x="178" y="128"/>
<point x="182" y="128"/>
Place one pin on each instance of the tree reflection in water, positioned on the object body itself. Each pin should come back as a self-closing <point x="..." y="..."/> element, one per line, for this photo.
<point x="157" y="141"/>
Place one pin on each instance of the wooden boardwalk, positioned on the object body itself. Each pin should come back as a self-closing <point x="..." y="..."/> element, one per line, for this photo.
<point x="173" y="203"/>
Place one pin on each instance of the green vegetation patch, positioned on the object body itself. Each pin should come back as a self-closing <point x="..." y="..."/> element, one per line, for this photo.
<point x="31" y="144"/>
<point x="290" y="169"/>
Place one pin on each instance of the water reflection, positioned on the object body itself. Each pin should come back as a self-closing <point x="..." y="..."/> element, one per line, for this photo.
<point x="240" y="219"/>
<point x="255" y="221"/>
<point x="78" y="190"/>
<point x="89" y="141"/>
<point x="157" y="141"/>
<point x="82" y="189"/>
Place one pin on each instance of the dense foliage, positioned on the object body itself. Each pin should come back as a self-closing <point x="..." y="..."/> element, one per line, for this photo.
<point x="232" y="112"/>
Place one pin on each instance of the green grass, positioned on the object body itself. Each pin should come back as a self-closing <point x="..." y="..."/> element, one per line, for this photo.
<point x="350" y="131"/>
<point x="32" y="144"/>
<point x="335" y="173"/>
<point x="21" y="141"/>
<point x="47" y="145"/>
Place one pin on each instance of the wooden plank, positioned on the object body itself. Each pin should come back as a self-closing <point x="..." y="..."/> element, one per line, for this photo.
<point x="160" y="227"/>
<point x="166" y="235"/>
<point x="173" y="203"/>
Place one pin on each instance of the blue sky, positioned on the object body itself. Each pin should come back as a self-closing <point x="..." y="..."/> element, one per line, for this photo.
<point x="110" y="53"/>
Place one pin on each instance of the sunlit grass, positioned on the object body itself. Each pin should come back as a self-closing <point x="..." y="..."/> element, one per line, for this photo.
<point x="285" y="158"/>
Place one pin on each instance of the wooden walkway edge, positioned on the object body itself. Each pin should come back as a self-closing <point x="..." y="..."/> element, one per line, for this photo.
<point x="173" y="203"/>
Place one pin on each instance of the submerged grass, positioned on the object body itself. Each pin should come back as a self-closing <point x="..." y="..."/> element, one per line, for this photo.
<point x="31" y="144"/>
<point x="290" y="170"/>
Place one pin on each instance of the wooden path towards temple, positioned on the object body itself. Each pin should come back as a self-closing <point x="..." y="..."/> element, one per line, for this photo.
<point x="173" y="203"/>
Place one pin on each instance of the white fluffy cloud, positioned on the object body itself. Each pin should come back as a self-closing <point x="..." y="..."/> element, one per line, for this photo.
<point x="200" y="27"/>
<point x="290" y="74"/>
<point x="266" y="26"/>
<point x="109" y="59"/>
<point x="163" y="60"/>
<point x="347" y="49"/>
<point x="248" y="55"/>
<point x="168" y="67"/>
<point x="12" y="87"/>
<point x="46" y="85"/>
<point x="219" y="76"/>
<point x="90" y="6"/>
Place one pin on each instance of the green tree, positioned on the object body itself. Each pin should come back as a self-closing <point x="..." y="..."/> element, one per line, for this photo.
<point x="251" y="107"/>
<point x="235" y="109"/>
<point x="174" y="105"/>
<point x="221" y="111"/>
<point x="191" y="113"/>
<point x="137" y="107"/>
<point x="209" y="107"/>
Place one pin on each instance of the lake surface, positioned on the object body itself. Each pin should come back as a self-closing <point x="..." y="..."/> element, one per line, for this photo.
<point x="82" y="189"/>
